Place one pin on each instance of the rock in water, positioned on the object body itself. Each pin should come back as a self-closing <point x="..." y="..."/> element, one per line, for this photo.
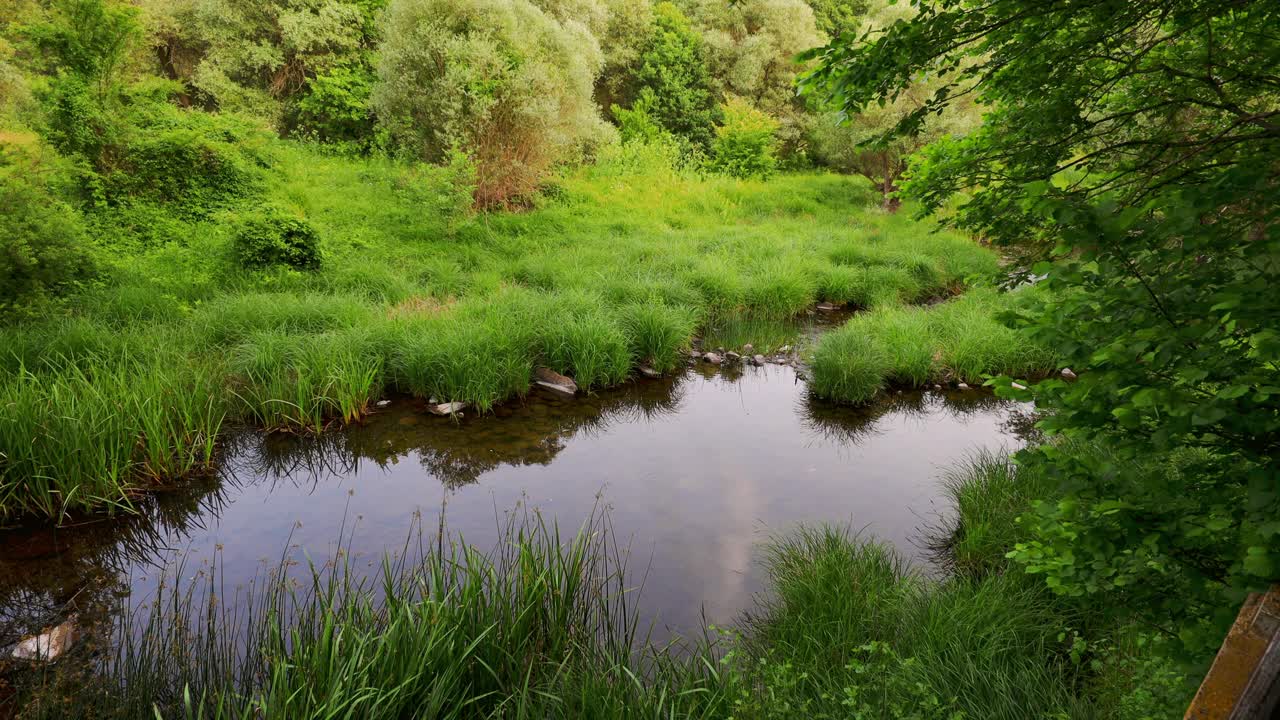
<point x="47" y="645"/>
<point x="759" y="360"/>
<point x="827" y="307"/>
<point x="712" y="358"/>
<point x="449" y="408"/>
<point x="1066" y="373"/>
<point x="732" y="356"/>
<point x="383" y="403"/>
<point x="554" y="381"/>
<point x="649" y="372"/>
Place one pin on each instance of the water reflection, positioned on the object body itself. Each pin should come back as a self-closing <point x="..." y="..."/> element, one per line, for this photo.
<point x="696" y="468"/>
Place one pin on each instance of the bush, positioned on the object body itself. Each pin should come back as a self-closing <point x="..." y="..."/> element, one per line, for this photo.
<point x="500" y="80"/>
<point x="745" y="143"/>
<point x="274" y="238"/>
<point x="43" y="245"/>
<point x="187" y="166"/>
<point x="335" y="107"/>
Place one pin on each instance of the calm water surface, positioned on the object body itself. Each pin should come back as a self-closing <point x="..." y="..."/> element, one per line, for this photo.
<point x="695" y="470"/>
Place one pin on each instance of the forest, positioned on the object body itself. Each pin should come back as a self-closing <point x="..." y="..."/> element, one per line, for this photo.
<point x="492" y="235"/>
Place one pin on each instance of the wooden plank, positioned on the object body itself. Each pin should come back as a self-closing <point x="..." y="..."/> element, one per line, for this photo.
<point x="1244" y="682"/>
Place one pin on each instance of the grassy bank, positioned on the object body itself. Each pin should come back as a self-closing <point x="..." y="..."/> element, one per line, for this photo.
<point x="957" y="341"/>
<point x="544" y="625"/>
<point x="129" y="382"/>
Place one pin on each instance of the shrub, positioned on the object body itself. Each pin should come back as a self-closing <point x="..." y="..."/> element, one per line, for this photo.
<point x="335" y="107"/>
<point x="500" y="80"/>
<point x="274" y="238"/>
<point x="745" y="143"/>
<point x="191" y="161"/>
<point x="43" y="245"/>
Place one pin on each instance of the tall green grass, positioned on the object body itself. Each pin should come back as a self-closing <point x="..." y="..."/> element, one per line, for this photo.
<point x="77" y="436"/>
<point x="545" y="625"/>
<point x="290" y="382"/>
<point x="957" y="341"/>
<point x="850" y="631"/>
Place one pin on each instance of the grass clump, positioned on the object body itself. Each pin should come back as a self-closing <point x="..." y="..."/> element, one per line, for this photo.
<point x="89" y="434"/>
<point x="851" y="631"/>
<point x="231" y="318"/>
<point x="450" y="358"/>
<point x="957" y="341"/>
<point x="541" y="626"/>
<point x="288" y="382"/>
<point x="657" y="332"/>
<point x="849" y="366"/>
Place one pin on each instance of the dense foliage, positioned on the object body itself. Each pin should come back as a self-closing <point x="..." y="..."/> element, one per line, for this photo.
<point x="43" y="244"/>
<point x="745" y="142"/>
<point x="1135" y="147"/>
<point x="274" y="238"/>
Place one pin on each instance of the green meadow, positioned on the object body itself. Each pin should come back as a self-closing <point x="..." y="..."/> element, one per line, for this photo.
<point x="619" y="264"/>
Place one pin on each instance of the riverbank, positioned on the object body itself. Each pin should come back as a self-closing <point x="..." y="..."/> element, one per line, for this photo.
<point x="131" y="384"/>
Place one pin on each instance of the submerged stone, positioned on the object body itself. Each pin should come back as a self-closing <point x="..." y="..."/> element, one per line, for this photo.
<point x="554" y="381"/>
<point x="47" y="645"/>
<point x="449" y="408"/>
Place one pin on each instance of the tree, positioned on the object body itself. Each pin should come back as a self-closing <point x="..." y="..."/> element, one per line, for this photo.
<point x="838" y="16"/>
<point x="673" y="83"/>
<point x="862" y="143"/>
<point x="499" y="80"/>
<point x="1134" y="149"/>
<point x="250" y="56"/>
<point x="752" y="48"/>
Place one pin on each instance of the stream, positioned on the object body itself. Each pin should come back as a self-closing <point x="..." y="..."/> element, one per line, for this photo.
<point x="695" y="470"/>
